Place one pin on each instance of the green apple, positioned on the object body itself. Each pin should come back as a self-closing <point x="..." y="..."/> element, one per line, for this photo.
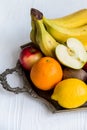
<point x="73" y="54"/>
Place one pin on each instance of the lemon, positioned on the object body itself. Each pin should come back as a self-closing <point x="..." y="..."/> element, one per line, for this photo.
<point x="70" y="93"/>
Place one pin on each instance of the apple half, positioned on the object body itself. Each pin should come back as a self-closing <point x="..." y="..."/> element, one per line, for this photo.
<point x="73" y="54"/>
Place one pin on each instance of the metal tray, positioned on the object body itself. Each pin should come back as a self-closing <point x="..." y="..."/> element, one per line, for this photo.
<point x="43" y="96"/>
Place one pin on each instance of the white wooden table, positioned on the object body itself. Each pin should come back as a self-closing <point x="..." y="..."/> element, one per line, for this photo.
<point x="22" y="112"/>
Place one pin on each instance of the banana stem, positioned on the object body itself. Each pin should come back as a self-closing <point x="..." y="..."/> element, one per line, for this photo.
<point x="36" y="14"/>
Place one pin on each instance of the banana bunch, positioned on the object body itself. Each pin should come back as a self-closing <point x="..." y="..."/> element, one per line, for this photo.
<point x="48" y="33"/>
<point x="40" y="36"/>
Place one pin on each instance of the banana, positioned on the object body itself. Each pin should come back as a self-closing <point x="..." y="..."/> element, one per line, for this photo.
<point x="33" y="32"/>
<point x="34" y="13"/>
<point x="72" y="20"/>
<point x="61" y="34"/>
<point x="45" y="41"/>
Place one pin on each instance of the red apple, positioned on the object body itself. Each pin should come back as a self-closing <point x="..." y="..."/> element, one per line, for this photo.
<point x="29" y="56"/>
<point x="85" y="67"/>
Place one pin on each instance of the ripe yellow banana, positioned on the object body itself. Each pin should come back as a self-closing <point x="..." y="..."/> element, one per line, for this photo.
<point x="61" y="34"/>
<point x="45" y="41"/>
<point x="72" y="20"/>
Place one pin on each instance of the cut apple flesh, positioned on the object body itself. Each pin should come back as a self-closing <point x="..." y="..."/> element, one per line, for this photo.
<point x="72" y="55"/>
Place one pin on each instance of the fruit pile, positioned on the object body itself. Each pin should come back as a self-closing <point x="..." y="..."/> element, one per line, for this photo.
<point x="57" y="57"/>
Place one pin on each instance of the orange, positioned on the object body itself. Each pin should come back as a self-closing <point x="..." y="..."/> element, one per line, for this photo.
<point x="46" y="73"/>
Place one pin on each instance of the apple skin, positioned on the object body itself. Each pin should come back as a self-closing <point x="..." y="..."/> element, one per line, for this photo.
<point x="85" y="67"/>
<point x="29" y="56"/>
